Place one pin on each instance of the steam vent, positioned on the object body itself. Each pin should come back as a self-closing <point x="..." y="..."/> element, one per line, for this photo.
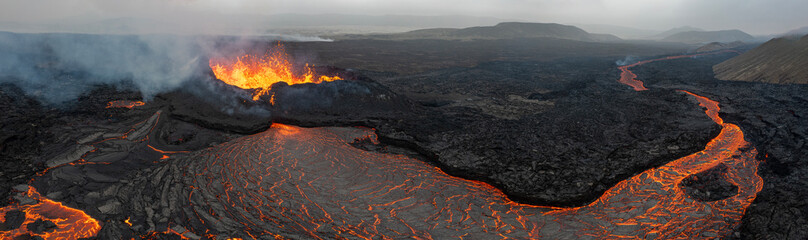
<point x="512" y="130"/>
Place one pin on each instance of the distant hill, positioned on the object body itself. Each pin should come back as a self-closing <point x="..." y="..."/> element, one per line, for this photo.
<point x="603" y="37"/>
<point x="619" y="31"/>
<point x="413" y="21"/>
<point x="714" y="46"/>
<point x="709" y="36"/>
<point x="797" y="32"/>
<point x="506" y="30"/>
<point x="780" y="60"/>
<point x="673" y="31"/>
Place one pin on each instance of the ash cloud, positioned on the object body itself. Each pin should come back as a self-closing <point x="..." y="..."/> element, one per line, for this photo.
<point x="58" y="67"/>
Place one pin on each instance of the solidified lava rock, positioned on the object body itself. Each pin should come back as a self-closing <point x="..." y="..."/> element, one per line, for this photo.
<point x="773" y="119"/>
<point x="710" y="185"/>
<point x="777" y="127"/>
<point x="563" y="152"/>
<point x="39" y="226"/>
<point x="572" y="153"/>
<point x="23" y="133"/>
<point x="354" y="101"/>
<point x="13" y="220"/>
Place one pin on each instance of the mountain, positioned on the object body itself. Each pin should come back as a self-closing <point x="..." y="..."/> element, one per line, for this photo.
<point x="506" y="30"/>
<point x="709" y="36"/>
<point x="604" y="37"/>
<point x="780" y="60"/>
<point x="619" y="31"/>
<point x="797" y="32"/>
<point x="412" y="21"/>
<point x="714" y="46"/>
<point x="673" y="31"/>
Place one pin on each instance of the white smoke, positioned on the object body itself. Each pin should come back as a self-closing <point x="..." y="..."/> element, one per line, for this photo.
<point x="57" y="68"/>
<point x="626" y="61"/>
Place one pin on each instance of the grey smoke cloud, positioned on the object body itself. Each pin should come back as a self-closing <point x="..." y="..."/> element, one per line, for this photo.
<point x="60" y="67"/>
<point x="626" y="61"/>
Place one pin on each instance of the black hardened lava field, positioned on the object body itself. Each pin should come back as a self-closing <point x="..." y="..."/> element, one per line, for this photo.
<point x="554" y="140"/>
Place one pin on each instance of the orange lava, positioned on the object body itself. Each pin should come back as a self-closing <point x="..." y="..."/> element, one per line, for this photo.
<point x="124" y="104"/>
<point x="261" y="72"/>
<point x="70" y="223"/>
<point x="310" y="183"/>
<point x="629" y="78"/>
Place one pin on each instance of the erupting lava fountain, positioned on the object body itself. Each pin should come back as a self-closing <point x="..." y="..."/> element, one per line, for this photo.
<point x="261" y="72"/>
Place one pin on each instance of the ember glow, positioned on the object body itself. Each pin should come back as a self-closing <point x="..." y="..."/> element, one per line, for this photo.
<point x="261" y="72"/>
<point x="70" y="223"/>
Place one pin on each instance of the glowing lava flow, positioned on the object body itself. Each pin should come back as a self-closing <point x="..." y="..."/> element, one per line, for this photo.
<point x="124" y="104"/>
<point x="629" y="78"/>
<point x="261" y="72"/>
<point x="70" y="223"/>
<point x="311" y="183"/>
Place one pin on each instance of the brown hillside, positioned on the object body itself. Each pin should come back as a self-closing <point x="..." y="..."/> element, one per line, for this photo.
<point x="781" y="60"/>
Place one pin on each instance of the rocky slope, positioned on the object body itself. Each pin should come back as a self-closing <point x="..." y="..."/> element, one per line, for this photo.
<point x="781" y="60"/>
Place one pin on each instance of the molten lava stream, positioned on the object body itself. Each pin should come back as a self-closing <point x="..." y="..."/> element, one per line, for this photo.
<point x="261" y="72"/>
<point x="70" y="223"/>
<point x="629" y="78"/>
<point x="124" y="104"/>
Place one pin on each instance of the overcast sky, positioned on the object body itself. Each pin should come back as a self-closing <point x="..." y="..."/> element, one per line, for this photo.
<point x="752" y="16"/>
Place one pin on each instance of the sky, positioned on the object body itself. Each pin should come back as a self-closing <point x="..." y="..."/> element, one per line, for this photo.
<point x="752" y="16"/>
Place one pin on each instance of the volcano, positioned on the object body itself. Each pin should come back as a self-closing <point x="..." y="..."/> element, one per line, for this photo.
<point x="263" y="146"/>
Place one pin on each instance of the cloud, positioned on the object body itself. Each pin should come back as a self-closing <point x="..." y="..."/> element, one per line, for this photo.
<point x="756" y="16"/>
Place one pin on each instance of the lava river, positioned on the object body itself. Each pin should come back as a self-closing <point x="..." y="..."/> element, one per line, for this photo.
<point x="311" y="183"/>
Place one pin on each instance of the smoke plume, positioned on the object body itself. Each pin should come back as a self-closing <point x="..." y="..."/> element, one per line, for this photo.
<point x="59" y="67"/>
<point x="626" y="61"/>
